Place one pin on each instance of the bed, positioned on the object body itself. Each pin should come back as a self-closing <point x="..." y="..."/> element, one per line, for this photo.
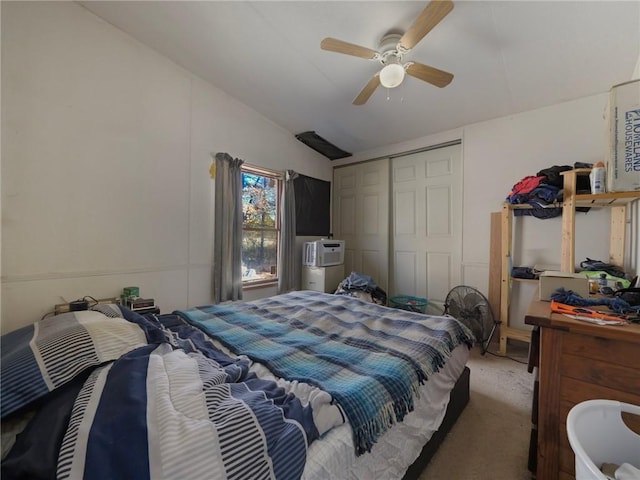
<point x="300" y="385"/>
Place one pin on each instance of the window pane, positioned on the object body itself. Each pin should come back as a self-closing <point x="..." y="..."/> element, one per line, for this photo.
<point x="259" y="255"/>
<point x="259" y="201"/>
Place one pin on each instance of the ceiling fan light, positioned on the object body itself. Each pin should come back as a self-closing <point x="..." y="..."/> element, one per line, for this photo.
<point x="391" y="75"/>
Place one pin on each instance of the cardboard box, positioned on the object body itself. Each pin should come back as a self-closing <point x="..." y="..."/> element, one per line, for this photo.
<point x="550" y="281"/>
<point x="623" y="156"/>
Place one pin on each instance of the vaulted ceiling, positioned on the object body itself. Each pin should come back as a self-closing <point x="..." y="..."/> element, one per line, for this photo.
<point x="506" y="57"/>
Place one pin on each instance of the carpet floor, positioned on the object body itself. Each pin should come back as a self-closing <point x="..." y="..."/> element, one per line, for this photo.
<point x="490" y="440"/>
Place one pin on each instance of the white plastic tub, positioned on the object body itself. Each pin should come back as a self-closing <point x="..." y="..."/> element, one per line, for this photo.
<point x="598" y="435"/>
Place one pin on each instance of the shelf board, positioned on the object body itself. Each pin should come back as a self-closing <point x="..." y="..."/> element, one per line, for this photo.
<point x="593" y="200"/>
<point x="609" y="199"/>
<point x="521" y="334"/>
<point x="526" y="280"/>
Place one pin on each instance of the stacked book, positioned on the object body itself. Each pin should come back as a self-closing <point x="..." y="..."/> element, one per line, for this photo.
<point x="141" y="305"/>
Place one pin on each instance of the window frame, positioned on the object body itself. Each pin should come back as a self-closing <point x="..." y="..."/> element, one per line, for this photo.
<point x="279" y="178"/>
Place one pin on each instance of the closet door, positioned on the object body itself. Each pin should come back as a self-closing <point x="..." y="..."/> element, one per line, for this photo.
<point x="427" y="222"/>
<point x="361" y="218"/>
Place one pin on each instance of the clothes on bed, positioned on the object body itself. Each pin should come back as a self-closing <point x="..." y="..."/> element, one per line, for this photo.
<point x="371" y="359"/>
<point x="362" y="286"/>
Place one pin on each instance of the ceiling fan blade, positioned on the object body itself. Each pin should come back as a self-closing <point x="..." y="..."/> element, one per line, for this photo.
<point x="368" y="90"/>
<point x="335" y="45"/>
<point x="432" y="75"/>
<point x="430" y="16"/>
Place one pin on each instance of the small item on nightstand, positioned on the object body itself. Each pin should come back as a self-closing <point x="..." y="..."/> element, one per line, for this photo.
<point x="78" y="305"/>
<point x="131" y="291"/>
<point x="139" y="303"/>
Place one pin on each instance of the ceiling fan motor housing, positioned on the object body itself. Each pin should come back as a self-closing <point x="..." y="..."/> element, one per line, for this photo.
<point x="389" y="52"/>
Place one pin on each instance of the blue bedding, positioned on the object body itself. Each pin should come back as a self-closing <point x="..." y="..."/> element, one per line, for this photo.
<point x="119" y="395"/>
<point x="371" y="359"/>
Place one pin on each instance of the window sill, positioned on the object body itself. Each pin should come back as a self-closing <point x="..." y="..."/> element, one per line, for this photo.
<point x="257" y="285"/>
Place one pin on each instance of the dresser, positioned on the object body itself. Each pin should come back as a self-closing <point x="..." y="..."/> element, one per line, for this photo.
<point x="575" y="361"/>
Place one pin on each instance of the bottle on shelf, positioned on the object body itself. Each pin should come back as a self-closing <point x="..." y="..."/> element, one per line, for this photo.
<point x="597" y="178"/>
<point x="602" y="282"/>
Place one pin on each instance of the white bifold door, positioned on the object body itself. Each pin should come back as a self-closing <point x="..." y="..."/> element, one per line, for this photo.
<point x="361" y="218"/>
<point x="427" y="222"/>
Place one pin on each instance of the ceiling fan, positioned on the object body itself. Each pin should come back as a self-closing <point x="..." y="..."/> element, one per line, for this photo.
<point x="392" y="49"/>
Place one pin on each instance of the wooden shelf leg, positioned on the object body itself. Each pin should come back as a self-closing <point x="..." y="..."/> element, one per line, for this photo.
<point x="505" y="283"/>
<point x="617" y="235"/>
<point x="568" y="258"/>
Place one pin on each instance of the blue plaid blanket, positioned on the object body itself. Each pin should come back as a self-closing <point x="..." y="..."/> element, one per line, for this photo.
<point x="370" y="358"/>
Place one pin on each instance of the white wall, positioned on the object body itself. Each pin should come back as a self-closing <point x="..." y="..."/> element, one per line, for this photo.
<point x="105" y="158"/>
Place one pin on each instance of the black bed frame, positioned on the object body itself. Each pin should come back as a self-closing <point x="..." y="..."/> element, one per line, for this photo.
<point x="457" y="403"/>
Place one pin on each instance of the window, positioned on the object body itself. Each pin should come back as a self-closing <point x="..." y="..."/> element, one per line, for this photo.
<point x="260" y="225"/>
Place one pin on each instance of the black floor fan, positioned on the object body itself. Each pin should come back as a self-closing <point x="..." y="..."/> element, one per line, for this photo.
<point x="471" y="307"/>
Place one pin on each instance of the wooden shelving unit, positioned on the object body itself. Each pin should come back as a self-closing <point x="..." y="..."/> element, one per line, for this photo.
<point x="506" y="330"/>
<point x="617" y="202"/>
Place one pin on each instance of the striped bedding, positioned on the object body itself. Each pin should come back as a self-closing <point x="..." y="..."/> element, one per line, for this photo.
<point x="182" y="417"/>
<point x="44" y="356"/>
<point x="152" y="403"/>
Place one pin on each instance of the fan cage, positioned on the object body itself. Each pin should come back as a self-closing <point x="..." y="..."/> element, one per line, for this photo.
<point x="469" y="306"/>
